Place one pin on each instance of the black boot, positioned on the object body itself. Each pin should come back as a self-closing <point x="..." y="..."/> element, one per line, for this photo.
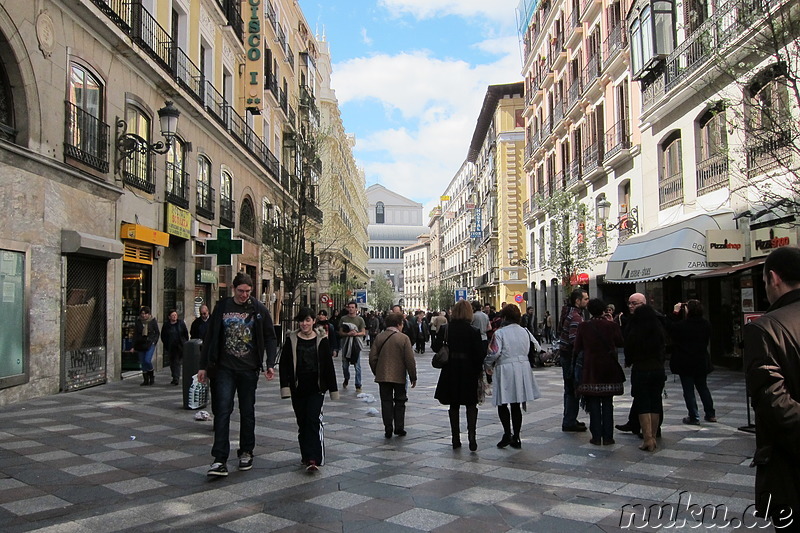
<point x="145" y="378"/>
<point x="505" y="441"/>
<point x="151" y="377"/>
<point x="515" y="442"/>
<point x="455" y="427"/>
<point x="472" y="422"/>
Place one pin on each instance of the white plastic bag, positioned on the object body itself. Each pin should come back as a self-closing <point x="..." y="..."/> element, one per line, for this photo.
<point x="198" y="394"/>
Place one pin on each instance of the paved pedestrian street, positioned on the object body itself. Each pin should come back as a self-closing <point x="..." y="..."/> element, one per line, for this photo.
<point x="121" y="457"/>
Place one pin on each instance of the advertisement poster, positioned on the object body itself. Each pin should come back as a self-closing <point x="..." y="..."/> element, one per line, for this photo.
<point x="748" y="302"/>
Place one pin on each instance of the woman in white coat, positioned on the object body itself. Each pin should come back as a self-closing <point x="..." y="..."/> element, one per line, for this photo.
<point x="513" y="382"/>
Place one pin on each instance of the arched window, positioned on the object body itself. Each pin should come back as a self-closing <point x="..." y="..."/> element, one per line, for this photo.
<point x="379" y="213"/>
<point x="136" y="168"/>
<point x="7" y="129"/>
<point x="226" y="203"/>
<point x="247" y="218"/>
<point x="87" y="134"/>
<point x="205" y="193"/>
<point x="670" y="179"/>
<point x="177" y="183"/>
<point x="768" y="126"/>
<point x="712" y="140"/>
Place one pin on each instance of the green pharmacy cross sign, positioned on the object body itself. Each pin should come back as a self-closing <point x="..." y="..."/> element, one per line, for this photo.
<point x="224" y="247"/>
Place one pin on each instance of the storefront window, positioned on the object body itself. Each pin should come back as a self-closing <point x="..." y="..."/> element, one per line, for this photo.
<point x="13" y="309"/>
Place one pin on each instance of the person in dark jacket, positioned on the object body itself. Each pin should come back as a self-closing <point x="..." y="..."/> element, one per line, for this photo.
<point x="420" y="331"/>
<point x="200" y="324"/>
<point x="240" y="335"/>
<point x="392" y="362"/>
<point x="772" y="363"/>
<point x="306" y="374"/>
<point x="329" y="330"/>
<point x="602" y="377"/>
<point x="645" y="346"/>
<point x="690" y="360"/>
<point x="145" y="338"/>
<point x="173" y="335"/>
<point x="459" y="379"/>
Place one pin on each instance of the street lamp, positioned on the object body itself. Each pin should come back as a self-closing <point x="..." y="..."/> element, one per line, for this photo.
<point x="129" y="143"/>
<point x="516" y="262"/>
<point x="626" y="221"/>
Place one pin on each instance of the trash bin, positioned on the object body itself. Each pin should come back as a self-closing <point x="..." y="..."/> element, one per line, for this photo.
<point x="191" y="364"/>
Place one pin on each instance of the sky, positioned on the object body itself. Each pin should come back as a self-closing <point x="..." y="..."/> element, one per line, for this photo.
<point x="410" y="77"/>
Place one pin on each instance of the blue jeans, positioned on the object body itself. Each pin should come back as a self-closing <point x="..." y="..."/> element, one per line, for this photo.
<point x="355" y="361"/>
<point x="571" y="404"/>
<point x="601" y="416"/>
<point x="146" y="359"/>
<point x="689" y="384"/>
<point x="225" y="383"/>
<point x="308" y="412"/>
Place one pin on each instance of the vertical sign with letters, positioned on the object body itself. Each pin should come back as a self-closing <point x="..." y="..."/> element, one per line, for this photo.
<point x="254" y="64"/>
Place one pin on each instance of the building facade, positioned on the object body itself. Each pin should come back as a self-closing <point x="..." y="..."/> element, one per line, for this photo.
<point x="105" y="213"/>
<point x="416" y="274"/>
<point x="395" y="222"/>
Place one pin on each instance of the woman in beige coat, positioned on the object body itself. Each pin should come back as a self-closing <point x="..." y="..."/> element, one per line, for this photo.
<point x="392" y="360"/>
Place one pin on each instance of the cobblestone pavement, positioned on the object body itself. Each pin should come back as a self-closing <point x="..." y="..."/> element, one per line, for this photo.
<point x="121" y="457"/>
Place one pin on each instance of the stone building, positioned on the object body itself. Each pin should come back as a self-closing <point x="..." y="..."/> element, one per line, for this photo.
<point x="104" y="213"/>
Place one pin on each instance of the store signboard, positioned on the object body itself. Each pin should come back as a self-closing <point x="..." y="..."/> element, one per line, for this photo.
<point x="764" y="240"/>
<point x="179" y="222"/>
<point x="724" y="246"/>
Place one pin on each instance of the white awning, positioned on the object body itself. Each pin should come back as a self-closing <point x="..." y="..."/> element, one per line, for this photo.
<point x="675" y="250"/>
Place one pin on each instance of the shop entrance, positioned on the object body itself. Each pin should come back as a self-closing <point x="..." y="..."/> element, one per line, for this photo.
<point x="136" y="283"/>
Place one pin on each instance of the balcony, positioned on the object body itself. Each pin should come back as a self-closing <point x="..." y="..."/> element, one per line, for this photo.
<point x="768" y="151"/>
<point x="156" y="42"/>
<point x="617" y="139"/>
<point x="616" y="41"/>
<point x="205" y="201"/>
<point x="137" y="171"/>
<point x="712" y="174"/>
<point x="591" y="72"/>
<point x="177" y="192"/>
<point x="574" y="93"/>
<point x="86" y="138"/>
<point x="233" y="14"/>
<point x="670" y="191"/>
<point x="227" y="212"/>
<point x="575" y="172"/>
<point x="592" y="157"/>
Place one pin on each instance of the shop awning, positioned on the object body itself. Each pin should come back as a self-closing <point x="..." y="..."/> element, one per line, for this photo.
<point x="675" y="250"/>
<point x="732" y="269"/>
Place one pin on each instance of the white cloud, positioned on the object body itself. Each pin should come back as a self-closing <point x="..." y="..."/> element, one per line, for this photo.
<point x="366" y="39"/>
<point x="424" y="9"/>
<point x="439" y="101"/>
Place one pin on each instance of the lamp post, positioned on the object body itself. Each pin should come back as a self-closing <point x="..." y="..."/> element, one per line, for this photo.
<point x="523" y="261"/>
<point x="627" y="221"/>
<point x="129" y="143"/>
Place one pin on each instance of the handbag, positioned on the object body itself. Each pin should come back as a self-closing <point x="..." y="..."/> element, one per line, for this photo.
<point x="441" y="357"/>
<point x="533" y="352"/>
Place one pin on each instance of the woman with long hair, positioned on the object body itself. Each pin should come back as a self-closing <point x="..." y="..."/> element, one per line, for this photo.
<point x="645" y="345"/>
<point x="513" y="383"/>
<point x="306" y="374"/>
<point x="602" y="377"/>
<point x="459" y="379"/>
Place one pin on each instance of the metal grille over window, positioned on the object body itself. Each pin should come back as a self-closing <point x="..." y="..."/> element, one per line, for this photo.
<point x="84" y="323"/>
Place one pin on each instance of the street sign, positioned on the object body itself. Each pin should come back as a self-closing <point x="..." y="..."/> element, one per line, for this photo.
<point x="324" y="298"/>
<point x="461" y="294"/>
<point x="518" y="298"/>
<point x="361" y="297"/>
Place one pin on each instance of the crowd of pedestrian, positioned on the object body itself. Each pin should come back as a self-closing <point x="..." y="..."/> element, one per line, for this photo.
<point x="499" y="348"/>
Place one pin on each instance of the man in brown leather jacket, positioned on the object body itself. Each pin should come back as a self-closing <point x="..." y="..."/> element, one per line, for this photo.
<point x="772" y="361"/>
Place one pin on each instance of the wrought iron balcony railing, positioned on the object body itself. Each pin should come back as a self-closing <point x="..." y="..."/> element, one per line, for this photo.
<point x="86" y="138"/>
<point x="177" y="192"/>
<point x="227" y="212"/>
<point x="670" y="190"/>
<point x="712" y="173"/>
<point x="205" y="200"/>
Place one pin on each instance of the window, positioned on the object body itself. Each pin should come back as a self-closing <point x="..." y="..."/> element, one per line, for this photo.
<point x="712" y="138"/>
<point x="247" y="218"/>
<point x="652" y="30"/>
<point x="7" y="129"/>
<point x="226" y="204"/>
<point x="768" y="125"/>
<point x="177" y="184"/>
<point x="136" y="168"/>
<point x="670" y="189"/>
<point x="379" y="213"/>
<point x="205" y="194"/>
<point x="87" y="136"/>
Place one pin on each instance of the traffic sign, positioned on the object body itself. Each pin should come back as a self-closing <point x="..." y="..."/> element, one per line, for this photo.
<point x="361" y="296"/>
<point x="518" y="298"/>
<point x="461" y="294"/>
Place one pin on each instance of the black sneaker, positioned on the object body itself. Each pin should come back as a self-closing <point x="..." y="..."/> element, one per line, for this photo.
<point x="245" y="461"/>
<point x="217" y="469"/>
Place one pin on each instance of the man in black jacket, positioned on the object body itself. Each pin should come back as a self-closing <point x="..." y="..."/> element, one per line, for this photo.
<point x="240" y="333"/>
<point x="772" y="362"/>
